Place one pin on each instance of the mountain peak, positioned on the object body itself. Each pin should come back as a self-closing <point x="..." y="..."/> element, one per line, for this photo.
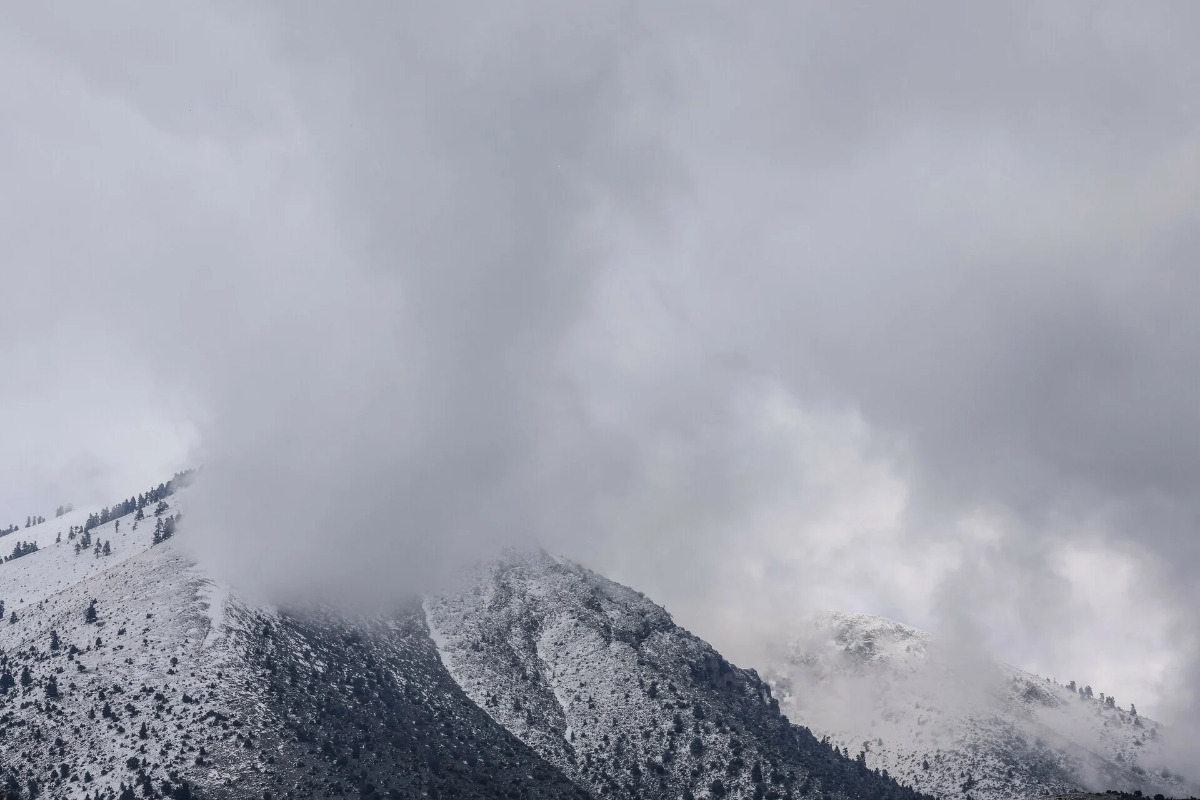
<point x="953" y="722"/>
<point x="601" y="682"/>
<point x="540" y="679"/>
<point x="862" y="639"/>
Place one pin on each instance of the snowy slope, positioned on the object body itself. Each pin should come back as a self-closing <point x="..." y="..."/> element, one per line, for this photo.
<point x="602" y="683"/>
<point x="235" y="701"/>
<point x="33" y="577"/>
<point x="955" y="725"/>
<point x="543" y="681"/>
<point x="153" y="615"/>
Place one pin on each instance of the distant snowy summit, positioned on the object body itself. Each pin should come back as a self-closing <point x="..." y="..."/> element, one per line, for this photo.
<point x="835" y="642"/>
<point x="954" y="724"/>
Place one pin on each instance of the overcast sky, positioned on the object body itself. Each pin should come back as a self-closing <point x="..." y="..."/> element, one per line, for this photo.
<point x="886" y="308"/>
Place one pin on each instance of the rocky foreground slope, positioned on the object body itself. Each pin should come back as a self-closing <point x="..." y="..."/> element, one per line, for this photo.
<point x="956" y="725"/>
<point x="125" y="671"/>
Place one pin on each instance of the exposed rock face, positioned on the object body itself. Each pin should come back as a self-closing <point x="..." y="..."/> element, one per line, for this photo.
<point x="602" y="683"/>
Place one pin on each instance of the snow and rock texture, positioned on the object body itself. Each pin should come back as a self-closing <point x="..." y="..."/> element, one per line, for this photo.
<point x="539" y="679"/>
<point x="134" y="674"/>
<point x="178" y="684"/>
<point x="1109" y="795"/>
<point x="600" y="682"/>
<point x="956" y="726"/>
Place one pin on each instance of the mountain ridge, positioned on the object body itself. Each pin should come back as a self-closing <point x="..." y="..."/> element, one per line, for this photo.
<point x="534" y="639"/>
<point x="134" y="673"/>
<point x="887" y="692"/>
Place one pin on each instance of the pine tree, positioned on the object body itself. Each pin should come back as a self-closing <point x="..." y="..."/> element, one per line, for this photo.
<point x="52" y="688"/>
<point x="54" y="643"/>
<point x="26" y="678"/>
<point x="142" y="733"/>
<point x="107" y="549"/>
<point x="90" y="616"/>
<point x="6" y="681"/>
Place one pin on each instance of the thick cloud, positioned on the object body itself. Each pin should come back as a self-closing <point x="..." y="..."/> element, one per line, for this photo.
<point x="885" y="308"/>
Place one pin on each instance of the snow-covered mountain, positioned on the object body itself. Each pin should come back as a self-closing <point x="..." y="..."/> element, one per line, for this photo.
<point x="126" y="671"/>
<point x="177" y="688"/>
<point x="601" y="682"/>
<point x="955" y="725"/>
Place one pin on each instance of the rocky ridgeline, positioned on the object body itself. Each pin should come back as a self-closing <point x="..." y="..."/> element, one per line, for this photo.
<point x="129" y="673"/>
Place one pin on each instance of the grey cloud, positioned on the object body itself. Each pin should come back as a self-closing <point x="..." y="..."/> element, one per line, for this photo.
<point x="461" y="174"/>
<point x="431" y="278"/>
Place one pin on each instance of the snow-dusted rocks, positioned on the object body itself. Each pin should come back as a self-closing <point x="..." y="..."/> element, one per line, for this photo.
<point x="178" y="688"/>
<point x="601" y="682"/>
<point x="953" y="724"/>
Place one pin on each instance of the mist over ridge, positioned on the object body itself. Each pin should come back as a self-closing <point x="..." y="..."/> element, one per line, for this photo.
<point x="756" y="313"/>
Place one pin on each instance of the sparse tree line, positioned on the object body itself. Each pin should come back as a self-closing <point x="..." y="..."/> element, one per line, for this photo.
<point x="1110" y="701"/>
<point x="99" y="548"/>
<point x="22" y="549"/>
<point x="165" y="528"/>
<point x="136" y="505"/>
<point x="155" y="497"/>
<point x="81" y="535"/>
<point x="29" y="523"/>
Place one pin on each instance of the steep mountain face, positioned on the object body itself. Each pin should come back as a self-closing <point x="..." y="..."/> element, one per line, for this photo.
<point x="956" y="726"/>
<point x="125" y="672"/>
<point x="177" y="688"/>
<point x="601" y="683"/>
